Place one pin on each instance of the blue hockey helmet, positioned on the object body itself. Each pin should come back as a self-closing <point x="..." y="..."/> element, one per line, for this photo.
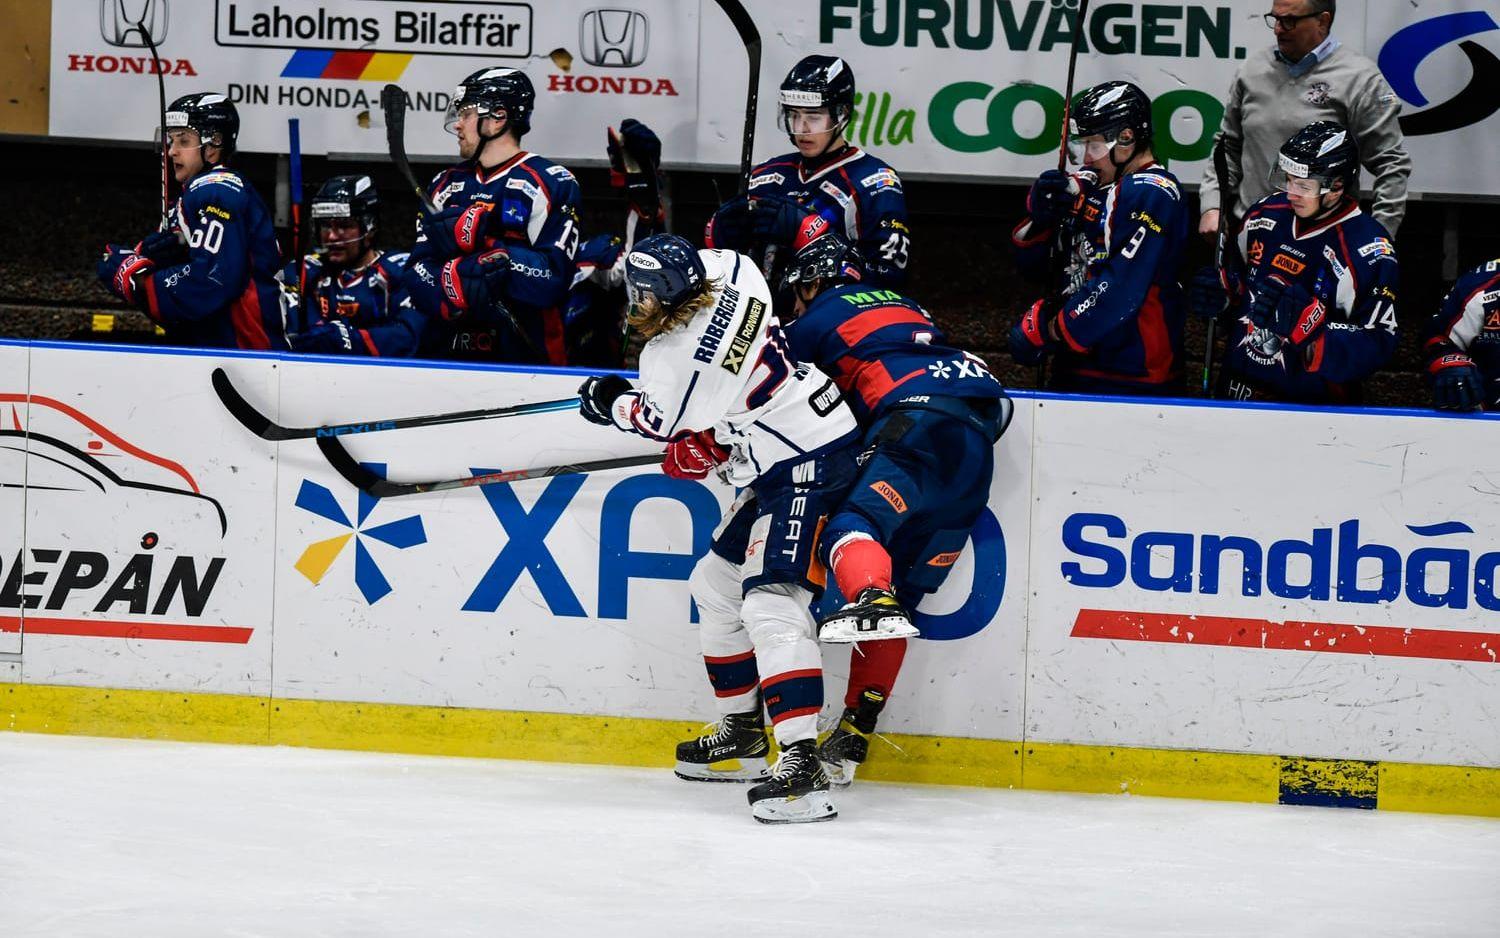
<point x="666" y="268"/>
<point x="828" y="258"/>
<point x="211" y="114"/>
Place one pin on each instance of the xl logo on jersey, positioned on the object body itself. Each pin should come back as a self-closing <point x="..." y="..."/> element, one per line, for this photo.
<point x="1405" y="51"/>
<point x="744" y="336"/>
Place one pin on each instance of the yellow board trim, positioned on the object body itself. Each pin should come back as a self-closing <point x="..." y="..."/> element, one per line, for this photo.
<point x="558" y="737"/>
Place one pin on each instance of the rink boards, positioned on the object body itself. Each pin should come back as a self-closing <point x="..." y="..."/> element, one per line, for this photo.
<point x="1164" y="598"/>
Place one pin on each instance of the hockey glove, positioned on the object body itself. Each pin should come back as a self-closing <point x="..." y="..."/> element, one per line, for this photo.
<point x="597" y="396"/>
<point x="327" y="338"/>
<point x="1054" y="196"/>
<point x="1288" y="310"/>
<point x="121" y="270"/>
<point x="1206" y="296"/>
<point x="775" y="219"/>
<point x="729" y="228"/>
<point x="1456" y="382"/>
<point x="472" y="285"/>
<point x="694" y="456"/>
<point x="1030" y="341"/>
<point x="163" y="247"/>
<point x="456" y="230"/>
<point x="635" y="165"/>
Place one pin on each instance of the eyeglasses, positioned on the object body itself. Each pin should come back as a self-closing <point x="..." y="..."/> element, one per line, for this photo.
<point x="1288" y="22"/>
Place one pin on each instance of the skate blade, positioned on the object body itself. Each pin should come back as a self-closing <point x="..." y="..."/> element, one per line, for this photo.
<point x="806" y="809"/>
<point x="729" y="770"/>
<point x="844" y="630"/>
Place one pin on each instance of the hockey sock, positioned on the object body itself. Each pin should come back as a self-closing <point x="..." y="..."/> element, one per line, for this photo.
<point x="874" y="666"/>
<point x="860" y="562"/>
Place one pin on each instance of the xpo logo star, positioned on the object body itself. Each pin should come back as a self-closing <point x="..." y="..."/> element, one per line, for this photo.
<point x="319" y="556"/>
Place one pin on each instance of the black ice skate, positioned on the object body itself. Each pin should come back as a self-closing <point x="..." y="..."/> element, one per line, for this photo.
<point x="875" y="614"/>
<point x="796" y="792"/>
<point x="734" y="750"/>
<point x="849" y="744"/>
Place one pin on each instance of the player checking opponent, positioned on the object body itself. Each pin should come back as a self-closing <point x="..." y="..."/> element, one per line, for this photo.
<point x="1463" y="343"/>
<point x="491" y="271"/>
<point x="858" y="195"/>
<point x="210" y="279"/>
<point x="931" y="414"/>
<point x="350" y="297"/>
<point x="1317" y="300"/>
<point x="717" y="387"/>
<point x="1115" y="324"/>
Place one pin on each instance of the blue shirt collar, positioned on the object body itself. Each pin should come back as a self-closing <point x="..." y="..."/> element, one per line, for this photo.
<point x="1309" y="61"/>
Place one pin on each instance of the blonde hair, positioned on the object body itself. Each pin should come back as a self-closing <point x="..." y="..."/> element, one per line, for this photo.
<point x="651" y="319"/>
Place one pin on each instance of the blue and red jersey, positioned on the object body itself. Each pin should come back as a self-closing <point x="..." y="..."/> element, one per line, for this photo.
<point x="225" y="295"/>
<point x="1469" y="321"/>
<point x="534" y="217"/>
<point x="861" y="198"/>
<point x="882" y="349"/>
<point x="1348" y="262"/>
<point x="370" y="299"/>
<point x="1122" y="316"/>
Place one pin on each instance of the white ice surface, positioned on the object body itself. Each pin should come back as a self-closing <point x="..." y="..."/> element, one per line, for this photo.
<point x="123" y="838"/>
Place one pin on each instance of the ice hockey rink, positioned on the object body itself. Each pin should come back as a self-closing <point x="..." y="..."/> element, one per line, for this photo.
<point x="126" y="837"/>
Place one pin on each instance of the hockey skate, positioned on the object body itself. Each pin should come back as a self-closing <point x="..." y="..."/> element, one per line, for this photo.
<point x="873" y="615"/>
<point x="849" y="744"/>
<point x="734" y="750"/>
<point x="796" y="792"/>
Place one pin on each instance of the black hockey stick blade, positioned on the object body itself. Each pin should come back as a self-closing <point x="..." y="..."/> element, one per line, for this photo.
<point x="393" y="102"/>
<point x="263" y="427"/>
<point x="750" y="36"/>
<point x="368" y="482"/>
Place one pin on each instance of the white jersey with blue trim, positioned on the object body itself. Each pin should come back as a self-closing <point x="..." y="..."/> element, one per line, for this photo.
<point x="726" y="370"/>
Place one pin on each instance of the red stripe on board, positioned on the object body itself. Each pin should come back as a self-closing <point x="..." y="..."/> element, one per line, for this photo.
<point x="104" y="628"/>
<point x="1230" y="632"/>
<point x="350" y="65"/>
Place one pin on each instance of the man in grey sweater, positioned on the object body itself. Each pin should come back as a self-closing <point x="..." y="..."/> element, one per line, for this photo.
<point x="1308" y="77"/>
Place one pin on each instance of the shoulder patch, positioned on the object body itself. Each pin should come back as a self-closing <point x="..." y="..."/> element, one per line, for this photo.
<point x="1164" y="183"/>
<point x="1260" y="224"/>
<point x="227" y="177"/>
<point x="560" y="172"/>
<point x="767" y="179"/>
<point x="525" y="185"/>
<point x="881" y="179"/>
<point x="1380" y="247"/>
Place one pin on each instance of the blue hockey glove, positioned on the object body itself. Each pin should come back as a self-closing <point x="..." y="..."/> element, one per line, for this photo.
<point x="472" y="285"/>
<point x="1456" y="382"/>
<point x="1206" y="296"/>
<point x="729" y="228"/>
<point x="1054" y="196"/>
<point x="327" y="338"/>
<point x="597" y="396"/>
<point x="1029" y="340"/>
<point x="775" y="219"/>
<point x="1288" y="310"/>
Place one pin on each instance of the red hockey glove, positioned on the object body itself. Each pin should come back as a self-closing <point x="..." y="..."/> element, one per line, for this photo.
<point x="693" y="456"/>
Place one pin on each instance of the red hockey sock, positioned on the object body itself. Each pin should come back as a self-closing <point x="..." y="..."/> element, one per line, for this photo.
<point x="874" y="666"/>
<point x="858" y="563"/>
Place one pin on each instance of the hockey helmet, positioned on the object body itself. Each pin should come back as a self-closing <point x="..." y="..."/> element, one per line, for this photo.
<point x="492" y="91"/>
<point x="211" y="114"/>
<point x="666" y="267"/>
<point x="1323" y="151"/>
<point x="818" y="81"/>
<point x="829" y="258"/>
<point x="1106" y="110"/>
<point x="347" y="197"/>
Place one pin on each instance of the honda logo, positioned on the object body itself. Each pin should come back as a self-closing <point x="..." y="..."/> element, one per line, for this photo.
<point x="121" y="21"/>
<point x="613" y="38"/>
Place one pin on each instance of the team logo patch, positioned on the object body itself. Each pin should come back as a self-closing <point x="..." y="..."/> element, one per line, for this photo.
<point x="1316" y="93"/>
<point x="744" y="336"/>
<point x="881" y="179"/>
<point x="559" y="172"/>
<point x="1289" y="264"/>
<point x="1161" y="182"/>
<point x="1492" y="321"/>
<point x="893" y="497"/>
<point x="837" y="194"/>
<point x="1380" y="247"/>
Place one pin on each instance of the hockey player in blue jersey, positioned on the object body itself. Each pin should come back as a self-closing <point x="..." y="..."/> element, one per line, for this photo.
<point x="209" y="280"/>
<point x="716" y="386"/>
<point x="1462" y="343"/>
<point x="1115" y="323"/>
<point x="931" y="414"/>
<point x="858" y="196"/>
<point x="1317" y="298"/>
<point x="491" y="270"/>
<point x="350" y="300"/>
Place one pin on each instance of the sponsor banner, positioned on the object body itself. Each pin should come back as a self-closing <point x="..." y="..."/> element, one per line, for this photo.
<point x="1274" y="581"/>
<point x="593" y="63"/>
<point x="142" y="559"/>
<point x="14" y="412"/>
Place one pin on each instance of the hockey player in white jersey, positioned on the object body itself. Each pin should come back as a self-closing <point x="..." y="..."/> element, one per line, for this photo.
<point x="716" y="385"/>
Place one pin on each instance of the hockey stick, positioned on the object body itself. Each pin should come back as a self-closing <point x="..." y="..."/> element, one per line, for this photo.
<point x="161" y="95"/>
<point x="1058" y="253"/>
<point x="294" y="180"/>
<point x="372" y="484"/>
<point x="261" y="425"/>
<point x="750" y="36"/>
<point x="393" y="102"/>
<point x="1226" y="251"/>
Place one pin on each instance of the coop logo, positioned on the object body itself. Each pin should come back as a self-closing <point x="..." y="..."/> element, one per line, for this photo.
<point x="614" y="38"/>
<point x="1405" y="51"/>
<point x="319" y="556"/>
<point x="127" y="22"/>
